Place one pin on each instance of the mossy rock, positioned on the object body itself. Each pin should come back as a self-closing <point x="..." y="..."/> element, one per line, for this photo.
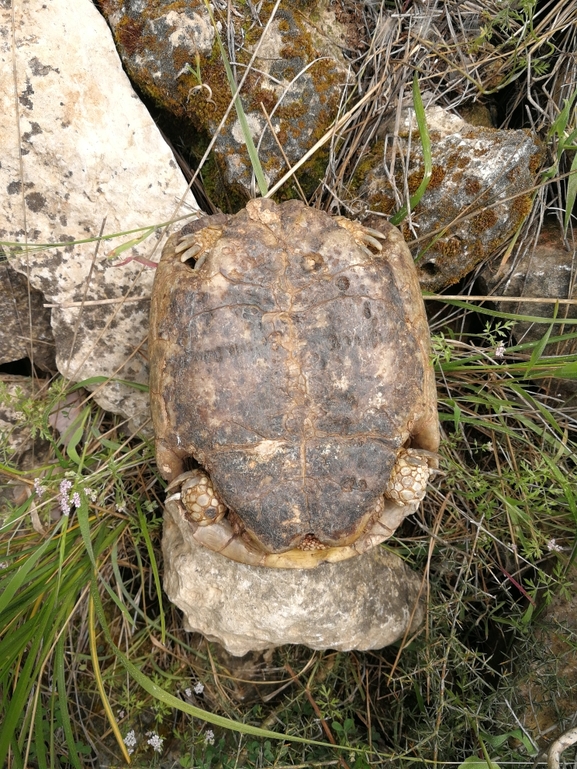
<point x="171" y="53"/>
<point x="479" y="193"/>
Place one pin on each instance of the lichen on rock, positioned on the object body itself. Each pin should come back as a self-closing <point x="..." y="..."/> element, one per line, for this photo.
<point x="479" y="192"/>
<point x="295" y="83"/>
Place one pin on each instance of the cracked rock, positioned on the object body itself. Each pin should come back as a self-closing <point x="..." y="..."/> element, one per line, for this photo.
<point x="366" y="602"/>
<point x="80" y="151"/>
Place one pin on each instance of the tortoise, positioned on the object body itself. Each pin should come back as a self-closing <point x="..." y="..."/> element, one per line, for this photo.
<point x="293" y="400"/>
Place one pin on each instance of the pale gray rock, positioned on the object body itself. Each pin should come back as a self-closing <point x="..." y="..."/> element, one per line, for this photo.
<point x="546" y="270"/>
<point x="78" y="147"/>
<point x="366" y="602"/>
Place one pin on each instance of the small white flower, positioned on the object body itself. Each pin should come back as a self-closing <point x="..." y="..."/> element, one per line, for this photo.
<point x="92" y="494"/>
<point x="198" y="688"/>
<point x="209" y="737"/>
<point x="76" y="499"/>
<point x="155" y="741"/>
<point x="38" y="487"/>
<point x="500" y="351"/>
<point x="120" y="509"/>
<point x="552" y="546"/>
<point x="121" y="713"/>
<point x="65" y="487"/>
<point x="130" y="741"/>
<point x="188" y="691"/>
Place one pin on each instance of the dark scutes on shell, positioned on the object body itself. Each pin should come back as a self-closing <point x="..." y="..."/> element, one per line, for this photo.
<point x="293" y="366"/>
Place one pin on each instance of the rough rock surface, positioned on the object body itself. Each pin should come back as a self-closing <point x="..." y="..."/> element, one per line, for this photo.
<point x="548" y="270"/>
<point x="81" y="148"/>
<point x="298" y="76"/>
<point x="364" y="603"/>
<point x="25" y="330"/>
<point x="477" y="196"/>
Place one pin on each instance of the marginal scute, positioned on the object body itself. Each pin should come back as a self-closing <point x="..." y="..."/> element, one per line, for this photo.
<point x="292" y="363"/>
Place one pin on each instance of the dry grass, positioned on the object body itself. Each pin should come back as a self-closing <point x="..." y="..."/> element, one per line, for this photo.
<point x="90" y="646"/>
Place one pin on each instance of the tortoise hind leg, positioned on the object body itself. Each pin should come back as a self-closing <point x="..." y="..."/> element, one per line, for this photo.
<point x="409" y="477"/>
<point x="201" y="503"/>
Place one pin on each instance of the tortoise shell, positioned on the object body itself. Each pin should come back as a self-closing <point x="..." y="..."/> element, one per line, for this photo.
<point x="291" y="362"/>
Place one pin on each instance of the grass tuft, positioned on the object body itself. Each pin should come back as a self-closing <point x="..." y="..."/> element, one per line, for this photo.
<point x="95" y="667"/>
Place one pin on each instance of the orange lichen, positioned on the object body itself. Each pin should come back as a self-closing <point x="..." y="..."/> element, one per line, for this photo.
<point x="129" y="35"/>
<point x="521" y="207"/>
<point x="484" y="220"/>
<point x="472" y="187"/>
<point x="438" y="174"/>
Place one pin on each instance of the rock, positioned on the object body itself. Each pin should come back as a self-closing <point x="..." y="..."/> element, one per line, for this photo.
<point x="83" y="149"/>
<point x="545" y="690"/>
<point x="170" y="51"/>
<point x="545" y="271"/>
<point x="25" y="330"/>
<point x="478" y="194"/>
<point x="363" y="603"/>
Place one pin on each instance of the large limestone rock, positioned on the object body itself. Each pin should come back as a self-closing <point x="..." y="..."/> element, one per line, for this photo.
<point x="79" y="148"/>
<point x="478" y="194"/>
<point x="366" y="602"/>
<point x="545" y="271"/>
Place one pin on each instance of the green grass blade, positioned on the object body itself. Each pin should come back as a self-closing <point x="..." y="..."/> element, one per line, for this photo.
<point x="26" y="679"/>
<point x="253" y="154"/>
<point x="475" y="308"/>
<point x="427" y="155"/>
<point x="100" y="683"/>
<point x="76" y="436"/>
<point x="19" y="578"/>
<point x="174" y="702"/>
<point x="541" y="344"/>
<point x="40" y="739"/>
<point x="63" y="699"/>
<point x="571" y="194"/>
<point x="154" y="567"/>
<point x="82" y="515"/>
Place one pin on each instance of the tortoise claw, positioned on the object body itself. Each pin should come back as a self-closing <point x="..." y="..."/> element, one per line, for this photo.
<point x="189" y="249"/>
<point x="188" y="241"/>
<point x="364" y="236"/>
<point x="195" y="246"/>
<point x="375" y="233"/>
